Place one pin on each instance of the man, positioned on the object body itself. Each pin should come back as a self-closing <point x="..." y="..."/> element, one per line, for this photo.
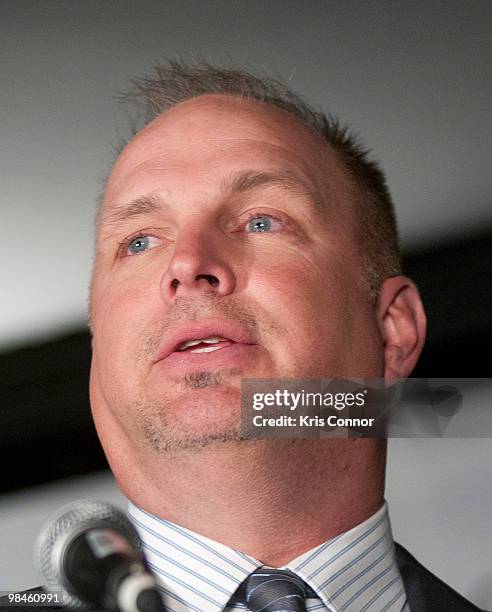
<point x="241" y="217"/>
<point x="244" y="235"/>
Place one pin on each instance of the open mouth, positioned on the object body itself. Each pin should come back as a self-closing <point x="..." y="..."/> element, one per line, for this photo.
<point x="204" y="345"/>
<point x="234" y="342"/>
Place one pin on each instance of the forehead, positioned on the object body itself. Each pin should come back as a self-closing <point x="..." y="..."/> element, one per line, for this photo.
<point x="202" y="138"/>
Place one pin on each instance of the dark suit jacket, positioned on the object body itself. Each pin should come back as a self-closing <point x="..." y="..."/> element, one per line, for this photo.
<point x="425" y="592"/>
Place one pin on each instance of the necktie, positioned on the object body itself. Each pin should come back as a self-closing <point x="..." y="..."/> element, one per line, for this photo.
<point x="274" y="590"/>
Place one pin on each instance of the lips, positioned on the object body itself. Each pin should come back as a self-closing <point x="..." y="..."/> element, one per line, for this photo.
<point x="231" y="332"/>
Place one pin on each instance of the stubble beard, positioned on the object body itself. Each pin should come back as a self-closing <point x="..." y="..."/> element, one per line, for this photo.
<point x="160" y="428"/>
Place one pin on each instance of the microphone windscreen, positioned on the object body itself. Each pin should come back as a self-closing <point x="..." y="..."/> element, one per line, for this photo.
<point x="59" y="531"/>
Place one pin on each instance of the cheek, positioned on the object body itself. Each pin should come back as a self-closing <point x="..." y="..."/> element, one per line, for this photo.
<point x="120" y="310"/>
<point x="327" y="320"/>
<point x="306" y="302"/>
<point x="124" y="299"/>
<point x="303" y="283"/>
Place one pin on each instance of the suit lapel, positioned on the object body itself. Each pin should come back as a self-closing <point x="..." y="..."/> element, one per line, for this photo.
<point x="426" y="592"/>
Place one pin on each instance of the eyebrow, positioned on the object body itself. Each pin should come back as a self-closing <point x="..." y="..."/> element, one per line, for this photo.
<point x="286" y="179"/>
<point x="143" y="205"/>
<point x="247" y="180"/>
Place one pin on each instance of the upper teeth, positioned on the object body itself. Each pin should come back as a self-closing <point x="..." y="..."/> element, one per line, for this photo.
<point x="211" y="340"/>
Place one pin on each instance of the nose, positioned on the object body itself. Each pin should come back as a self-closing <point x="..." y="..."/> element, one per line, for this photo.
<point x="197" y="265"/>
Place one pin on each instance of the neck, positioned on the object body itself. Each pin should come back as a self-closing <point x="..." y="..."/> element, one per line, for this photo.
<point x="271" y="499"/>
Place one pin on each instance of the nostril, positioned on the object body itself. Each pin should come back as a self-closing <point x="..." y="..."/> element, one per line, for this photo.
<point x="213" y="280"/>
<point x="174" y="283"/>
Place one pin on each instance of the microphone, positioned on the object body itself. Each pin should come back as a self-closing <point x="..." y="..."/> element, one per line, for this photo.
<point x="91" y="553"/>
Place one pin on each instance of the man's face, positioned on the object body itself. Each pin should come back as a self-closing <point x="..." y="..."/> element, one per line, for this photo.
<point x="223" y="218"/>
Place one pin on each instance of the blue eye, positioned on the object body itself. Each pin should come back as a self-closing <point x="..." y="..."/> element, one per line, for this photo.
<point x="138" y="244"/>
<point x="260" y="223"/>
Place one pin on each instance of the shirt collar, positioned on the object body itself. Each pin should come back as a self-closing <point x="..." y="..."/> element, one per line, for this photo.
<point x="356" y="569"/>
<point x="351" y="571"/>
<point x="191" y="569"/>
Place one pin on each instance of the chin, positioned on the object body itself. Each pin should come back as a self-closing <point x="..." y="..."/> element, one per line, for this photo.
<point x="189" y="435"/>
<point x="194" y="411"/>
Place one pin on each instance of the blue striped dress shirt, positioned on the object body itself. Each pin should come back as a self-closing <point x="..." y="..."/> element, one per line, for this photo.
<point x="353" y="572"/>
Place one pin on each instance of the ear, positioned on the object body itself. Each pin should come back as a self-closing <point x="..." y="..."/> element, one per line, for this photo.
<point x="403" y="325"/>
